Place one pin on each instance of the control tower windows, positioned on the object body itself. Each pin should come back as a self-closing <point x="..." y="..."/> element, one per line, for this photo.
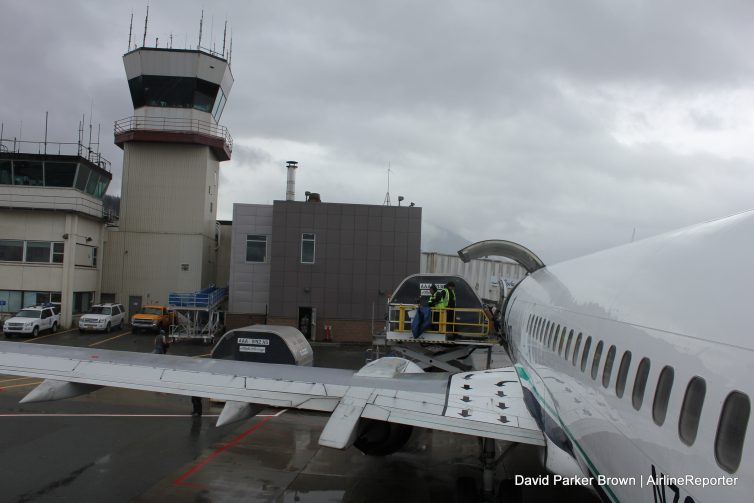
<point x="28" y="173"/>
<point x="59" y="174"/>
<point x="217" y="110"/>
<point x="173" y="92"/>
<point x="82" y="177"/>
<point x="6" y="173"/>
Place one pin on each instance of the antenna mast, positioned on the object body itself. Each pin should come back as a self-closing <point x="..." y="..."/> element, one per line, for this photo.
<point x="146" y="20"/>
<point x="130" y="30"/>
<point x="201" y="21"/>
<point x="225" y="30"/>
<point x="386" y="202"/>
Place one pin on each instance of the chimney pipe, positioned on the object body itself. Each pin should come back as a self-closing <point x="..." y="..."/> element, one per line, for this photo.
<point x="290" y="192"/>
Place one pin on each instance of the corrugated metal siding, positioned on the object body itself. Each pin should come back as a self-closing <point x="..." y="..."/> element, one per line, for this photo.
<point x="222" y="274"/>
<point x="165" y="189"/>
<point x="150" y="265"/>
<point x="481" y="274"/>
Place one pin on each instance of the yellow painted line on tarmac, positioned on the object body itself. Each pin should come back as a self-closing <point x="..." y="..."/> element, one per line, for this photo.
<point x="42" y="337"/>
<point x="21" y="385"/>
<point x="201" y="356"/>
<point x="16" y="379"/>
<point x="110" y="339"/>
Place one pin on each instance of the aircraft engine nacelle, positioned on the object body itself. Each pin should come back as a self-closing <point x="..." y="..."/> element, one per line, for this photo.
<point x="380" y="438"/>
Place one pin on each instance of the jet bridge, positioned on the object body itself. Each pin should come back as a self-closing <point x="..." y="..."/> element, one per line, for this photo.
<point x="198" y="315"/>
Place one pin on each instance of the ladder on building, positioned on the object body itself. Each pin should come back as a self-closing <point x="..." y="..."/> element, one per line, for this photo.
<point x="198" y="315"/>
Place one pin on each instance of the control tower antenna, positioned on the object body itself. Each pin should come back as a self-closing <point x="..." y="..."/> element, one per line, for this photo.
<point x="130" y="30"/>
<point x="230" y="50"/>
<point x="146" y="20"/>
<point x="225" y="31"/>
<point x="201" y="21"/>
<point x="386" y="202"/>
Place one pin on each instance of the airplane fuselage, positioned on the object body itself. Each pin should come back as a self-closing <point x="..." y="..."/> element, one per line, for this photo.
<point x="639" y="359"/>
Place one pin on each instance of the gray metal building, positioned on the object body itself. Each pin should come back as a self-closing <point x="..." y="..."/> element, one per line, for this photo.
<point x="311" y="264"/>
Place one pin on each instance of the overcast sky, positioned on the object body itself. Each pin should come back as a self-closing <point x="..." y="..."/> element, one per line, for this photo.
<point x="560" y="125"/>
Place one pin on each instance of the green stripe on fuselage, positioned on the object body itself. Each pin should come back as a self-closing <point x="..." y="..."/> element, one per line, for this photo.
<point x="523" y="374"/>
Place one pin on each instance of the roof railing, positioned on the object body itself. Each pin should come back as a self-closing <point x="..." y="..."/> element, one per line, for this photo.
<point x="174" y="125"/>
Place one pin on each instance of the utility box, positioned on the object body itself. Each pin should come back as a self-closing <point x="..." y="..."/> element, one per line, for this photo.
<point x="265" y="344"/>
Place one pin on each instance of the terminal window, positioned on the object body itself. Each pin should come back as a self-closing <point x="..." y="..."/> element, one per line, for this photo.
<point x="256" y="248"/>
<point x="307" y="248"/>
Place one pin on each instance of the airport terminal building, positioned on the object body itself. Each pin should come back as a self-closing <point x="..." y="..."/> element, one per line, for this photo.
<point x="312" y="265"/>
<point x="52" y="226"/>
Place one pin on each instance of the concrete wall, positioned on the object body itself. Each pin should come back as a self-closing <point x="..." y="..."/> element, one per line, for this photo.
<point x="249" y="281"/>
<point x="362" y="253"/>
<point x="50" y="198"/>
<point x="66" y="278"/>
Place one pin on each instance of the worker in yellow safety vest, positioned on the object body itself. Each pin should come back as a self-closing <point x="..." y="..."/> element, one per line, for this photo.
<point x="448" y="302"/>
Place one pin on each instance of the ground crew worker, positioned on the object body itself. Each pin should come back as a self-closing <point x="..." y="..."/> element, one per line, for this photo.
<point x="432" y="303"/>
<point x="161" y="343"/>
<point x="196" y="403"/>
<point x="450" y="305"/>
<point x="441" y="303"/>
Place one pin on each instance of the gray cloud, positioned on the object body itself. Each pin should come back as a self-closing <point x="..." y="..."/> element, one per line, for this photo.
<point x="500" y="119"/>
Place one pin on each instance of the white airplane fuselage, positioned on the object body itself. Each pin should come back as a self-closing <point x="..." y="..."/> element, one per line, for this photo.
<point x="683" y="302"/>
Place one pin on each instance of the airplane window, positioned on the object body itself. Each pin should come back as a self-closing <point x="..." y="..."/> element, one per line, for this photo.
<point x="596" y="359"/>
<point x="576" y="349"/>
<point x="528" y="325"/>
<point x="662" y="395"/>
<point x="691" y="410"/>
<point x="585" y="354"/>
<point x="608" y="370"/>
<point x="568" y="344"/>
<point x="555" y="339"/>
<point x="562" y="340"/>
<point x="731" y="430"/>
<point x="539" y="329"/>
<point x="548" y="331"/>
<point x="640" y="383"/>
<point x="543" y="332"/>
<point x="620" y="381"/>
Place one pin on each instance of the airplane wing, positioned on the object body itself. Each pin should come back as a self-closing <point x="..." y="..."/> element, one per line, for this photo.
<point x="485" y="403"/>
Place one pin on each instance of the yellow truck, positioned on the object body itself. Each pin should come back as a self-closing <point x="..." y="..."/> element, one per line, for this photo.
<point x="152" y="318"/>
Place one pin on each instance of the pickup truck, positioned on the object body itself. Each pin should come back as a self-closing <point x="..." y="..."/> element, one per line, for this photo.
<point x="31" y="321"/>
<point x="152" y="318"/>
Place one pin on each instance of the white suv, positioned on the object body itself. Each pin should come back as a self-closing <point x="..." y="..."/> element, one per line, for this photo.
<point x="31" y="321"/>
<point x="103" y="317"/>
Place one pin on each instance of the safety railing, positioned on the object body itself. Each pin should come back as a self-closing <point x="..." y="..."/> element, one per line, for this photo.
<point x="14" y="146"/>
<point x="204" y="299"/>
<point x="174" y="125"/>
<point x="465" y="322"/>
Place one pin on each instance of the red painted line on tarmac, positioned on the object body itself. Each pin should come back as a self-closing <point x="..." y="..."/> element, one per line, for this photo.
<point x="181" y="481"/>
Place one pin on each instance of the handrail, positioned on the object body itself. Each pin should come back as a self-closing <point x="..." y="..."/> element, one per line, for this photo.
<point x="471" y="322"/>
<point x="174" y="125"/>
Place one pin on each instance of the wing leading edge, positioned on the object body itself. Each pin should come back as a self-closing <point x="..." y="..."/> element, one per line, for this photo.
<point x="486" y="404"/>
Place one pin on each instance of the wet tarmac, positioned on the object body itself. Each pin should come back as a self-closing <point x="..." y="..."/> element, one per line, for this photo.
<point x="120" y="445"/>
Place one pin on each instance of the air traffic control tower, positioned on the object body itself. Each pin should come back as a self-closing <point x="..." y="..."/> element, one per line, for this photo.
<point x="172" y="150"/>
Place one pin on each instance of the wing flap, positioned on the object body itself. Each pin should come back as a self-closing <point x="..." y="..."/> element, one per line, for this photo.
<point x="487" y="403"/>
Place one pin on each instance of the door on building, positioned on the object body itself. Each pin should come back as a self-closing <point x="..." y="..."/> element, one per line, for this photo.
<point x="134" y="305"/>
<point x="305" y="321"/>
